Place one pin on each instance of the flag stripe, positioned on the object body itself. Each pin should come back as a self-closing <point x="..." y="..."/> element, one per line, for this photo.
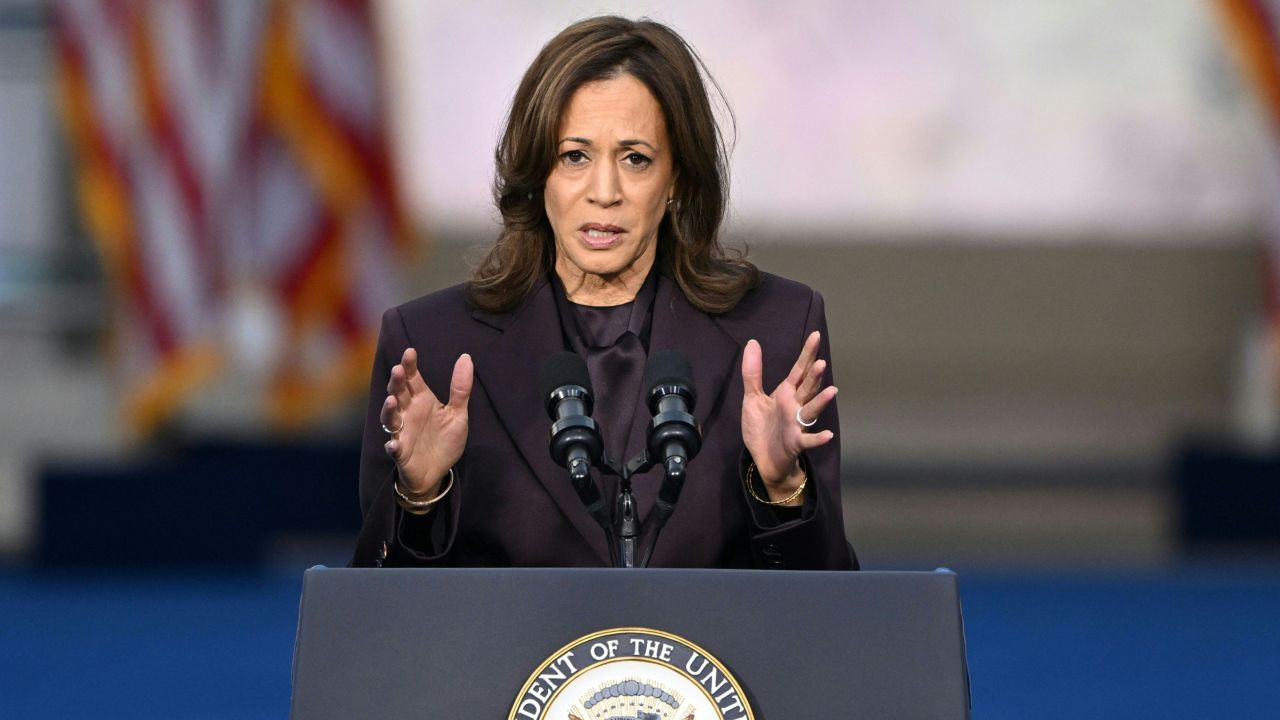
<point x="174" y="152"/>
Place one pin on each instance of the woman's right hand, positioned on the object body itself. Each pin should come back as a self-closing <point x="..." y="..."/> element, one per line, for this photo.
<point x="428" y="437"/>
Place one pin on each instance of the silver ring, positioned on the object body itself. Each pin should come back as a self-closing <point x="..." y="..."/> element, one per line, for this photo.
<point x="811" y="423"/>
<point x="389" y="431"/>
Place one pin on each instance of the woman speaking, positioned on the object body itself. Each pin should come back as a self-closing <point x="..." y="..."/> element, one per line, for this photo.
<point x="611" y="183"/>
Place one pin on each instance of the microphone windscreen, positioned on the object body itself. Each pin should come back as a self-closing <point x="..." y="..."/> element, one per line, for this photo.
<point x="565" y="368"/>
<point x="668" y="367"/>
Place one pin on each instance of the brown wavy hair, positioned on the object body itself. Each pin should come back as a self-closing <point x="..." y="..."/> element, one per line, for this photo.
<point x="689" y="246"/>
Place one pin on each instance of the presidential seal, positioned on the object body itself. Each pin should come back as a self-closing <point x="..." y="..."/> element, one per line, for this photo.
<point x="631" y="674"/>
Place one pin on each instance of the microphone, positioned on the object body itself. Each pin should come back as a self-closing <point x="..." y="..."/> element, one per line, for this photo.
<point x="575" y="438"/>
<point x="674" y="438"/>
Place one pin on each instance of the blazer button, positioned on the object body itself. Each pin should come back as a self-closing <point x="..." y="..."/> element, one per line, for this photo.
<point x="771" y="551"/>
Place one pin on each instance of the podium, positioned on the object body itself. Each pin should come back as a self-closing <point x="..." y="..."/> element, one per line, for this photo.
<point x="466" y="643"/>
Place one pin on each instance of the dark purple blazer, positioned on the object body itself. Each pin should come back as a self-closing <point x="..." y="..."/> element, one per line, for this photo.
<point x="513" y="506"/>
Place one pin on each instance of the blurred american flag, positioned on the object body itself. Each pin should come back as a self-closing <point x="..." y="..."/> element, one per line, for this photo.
<point x="224" y="150"/>
<point x="1254" y="33"/>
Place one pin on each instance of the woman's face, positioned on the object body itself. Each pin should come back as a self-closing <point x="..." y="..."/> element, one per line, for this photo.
<point x="609" y="187"/>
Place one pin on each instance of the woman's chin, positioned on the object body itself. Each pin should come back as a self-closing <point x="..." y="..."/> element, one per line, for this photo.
<point x="603" y="263"/>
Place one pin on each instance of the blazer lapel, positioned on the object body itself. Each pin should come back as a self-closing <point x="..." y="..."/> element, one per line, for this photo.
<point x="509" y="372"/>
<point x="712" y="355"/>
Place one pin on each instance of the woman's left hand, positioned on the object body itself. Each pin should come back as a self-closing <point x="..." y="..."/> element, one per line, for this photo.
<point x="770" y="429"/>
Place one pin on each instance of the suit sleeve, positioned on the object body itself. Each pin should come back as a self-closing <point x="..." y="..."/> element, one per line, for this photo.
<point x="389" y="536"/>
<point x="813" y="538"/>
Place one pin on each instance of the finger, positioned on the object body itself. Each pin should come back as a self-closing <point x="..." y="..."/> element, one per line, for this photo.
<point x="398" y="386"/>
<point x="389" y="415"/>
<point x="752" y="367"/>
<point x="812" y="409"/>
<point x="807" y="355"/>
<point x="812" y="381"/>
<point x="809" y="441"/>
<point x="460" y="384"/>
<point x="392" y="447"/>
<point x="409" y="361"/>
<point x="395" y="383"/>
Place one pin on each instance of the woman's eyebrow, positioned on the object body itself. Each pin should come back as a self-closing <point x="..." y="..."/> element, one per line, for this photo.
<point x="629" y="143"/>
<point x="621" y="143"/>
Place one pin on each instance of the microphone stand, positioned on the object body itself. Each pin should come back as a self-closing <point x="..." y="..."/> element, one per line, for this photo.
<point x="623" y="535"/>
<point x="628" y="534"/>
<point x="618" y="556"/>
<point x="629" y="525"/>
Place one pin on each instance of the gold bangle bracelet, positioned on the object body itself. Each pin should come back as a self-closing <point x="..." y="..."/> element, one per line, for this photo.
<point x="420" y="507"/>
<point x="751" y="469"/>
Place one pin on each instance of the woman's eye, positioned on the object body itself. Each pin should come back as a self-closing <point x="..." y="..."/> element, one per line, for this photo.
<point x="635" y="159"/>
<point x="573" y="157"/>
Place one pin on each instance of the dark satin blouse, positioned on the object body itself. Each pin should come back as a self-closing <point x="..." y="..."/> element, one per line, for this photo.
<point x="614" y="341"/>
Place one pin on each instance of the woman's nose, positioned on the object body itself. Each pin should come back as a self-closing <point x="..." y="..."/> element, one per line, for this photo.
<point x="605" y="189"/>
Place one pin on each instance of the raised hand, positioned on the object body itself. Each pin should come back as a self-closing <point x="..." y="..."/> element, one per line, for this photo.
<point x="427" y="437"/>
<point x="772" y="428"/>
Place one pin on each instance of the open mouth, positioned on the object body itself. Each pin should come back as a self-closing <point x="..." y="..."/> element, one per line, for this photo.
<point x="600" y="236"/>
